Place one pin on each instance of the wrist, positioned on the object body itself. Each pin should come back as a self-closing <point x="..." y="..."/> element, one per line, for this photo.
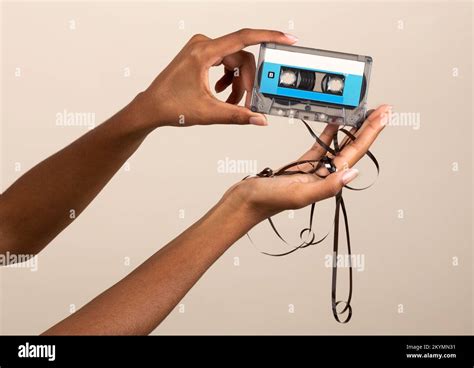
<point x="147" y="111"/>
<point x="222" y="225"/>
<point x="238" y="200"/>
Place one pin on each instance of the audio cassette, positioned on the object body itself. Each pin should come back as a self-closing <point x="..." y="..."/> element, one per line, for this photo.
<point x="311" y="84"/>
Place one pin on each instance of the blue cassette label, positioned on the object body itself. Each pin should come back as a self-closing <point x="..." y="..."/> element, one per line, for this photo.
<point x="270" y="85"/>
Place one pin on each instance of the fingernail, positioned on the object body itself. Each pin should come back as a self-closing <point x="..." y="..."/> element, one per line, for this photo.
<point x="382" y="114"/>
<point x="291" y="37"/>
<point x="388" y="109"/>
<point x="258" y="120"/>
<point x="349" y="175"/>
<point x="385" y="116"/>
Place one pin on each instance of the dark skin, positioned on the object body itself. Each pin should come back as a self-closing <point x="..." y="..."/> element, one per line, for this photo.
<point x="71" y="178"/>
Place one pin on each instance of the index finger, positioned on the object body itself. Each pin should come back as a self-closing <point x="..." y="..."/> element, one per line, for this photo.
<point x="355" y="150"/>
<point x="236" y="41"/>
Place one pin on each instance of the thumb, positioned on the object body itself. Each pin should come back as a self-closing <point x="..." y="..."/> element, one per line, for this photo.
<point x="226" y="113"/>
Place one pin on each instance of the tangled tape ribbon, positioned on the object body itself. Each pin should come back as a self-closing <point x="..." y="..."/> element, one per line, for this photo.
<point x="326" y="162"/>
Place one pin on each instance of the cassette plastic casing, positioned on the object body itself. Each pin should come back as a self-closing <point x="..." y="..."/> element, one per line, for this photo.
<point x="334" y="111"/>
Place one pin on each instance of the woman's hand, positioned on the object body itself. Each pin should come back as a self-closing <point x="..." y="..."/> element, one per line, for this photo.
<point x="266" y="196"/>
<point x="180" y="95"/>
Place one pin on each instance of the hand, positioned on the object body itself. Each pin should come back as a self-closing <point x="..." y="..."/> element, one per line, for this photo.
<point x="180" y="95"/>
<point x="265" y="197"/>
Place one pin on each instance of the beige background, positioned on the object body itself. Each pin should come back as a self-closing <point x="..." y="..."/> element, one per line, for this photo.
<point x="408" y="261"/>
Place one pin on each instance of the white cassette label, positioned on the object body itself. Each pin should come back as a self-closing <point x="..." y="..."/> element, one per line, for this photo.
<point x="318" y="62"/>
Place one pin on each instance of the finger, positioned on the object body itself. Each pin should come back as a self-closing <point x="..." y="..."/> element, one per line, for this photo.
<point x="247" y="75"/>
<point x="346" y="138"/>
<point x="226" y="113"/>
<point x="238" y="84"/>
<point x="317" y="151"/>
<point x="354" y="150"/>
<point x="243" y="65"/>
<point x="354" y="131"/>
<point x="369" y="112"/>
<point x="248" y="99"/>
<point x="237" y="93"/>
<point x="319" y="190"/>
<point x="236" y="41"/>
<point x="197" y="38"/>
<point x="224" y="81"/>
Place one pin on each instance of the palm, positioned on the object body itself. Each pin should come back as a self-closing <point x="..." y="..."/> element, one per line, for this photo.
<point x="283" y="191"/>
<point x="274" y="194"/>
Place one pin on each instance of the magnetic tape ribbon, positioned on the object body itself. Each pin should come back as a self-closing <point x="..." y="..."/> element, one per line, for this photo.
<point x="326" y="162"/>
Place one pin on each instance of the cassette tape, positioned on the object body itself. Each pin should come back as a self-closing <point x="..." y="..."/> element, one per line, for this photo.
<point x="311" y="84"/>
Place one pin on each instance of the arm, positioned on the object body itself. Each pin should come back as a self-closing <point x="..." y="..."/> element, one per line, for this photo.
<point x="71" y="178"/>
<point x="139" y="302"/>
<point x="68" y="180"/>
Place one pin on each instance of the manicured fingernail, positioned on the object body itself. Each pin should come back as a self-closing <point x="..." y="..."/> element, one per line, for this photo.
<point x="349" y="175"/>
<point x="258" y="120"/>
<point x="291" y="37"/>
<point x="382" y="114"/>
<point x="388" y="109"/>
<point x="385" y="116"/>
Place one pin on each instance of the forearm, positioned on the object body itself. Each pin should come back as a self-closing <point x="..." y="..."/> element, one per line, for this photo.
<point x="139" y="302"/>
<point x="40" y="204"/>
